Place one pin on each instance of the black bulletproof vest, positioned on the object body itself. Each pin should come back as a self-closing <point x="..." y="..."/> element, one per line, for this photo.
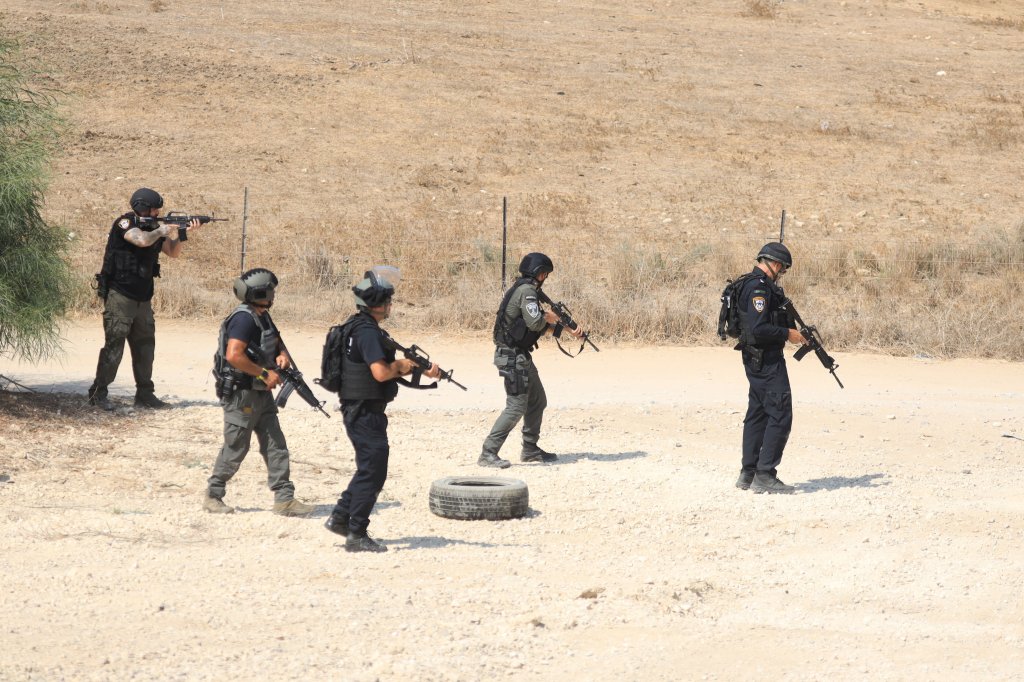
<point x="357" y="382"/>
<point x="130" y="269"/>
<point x="513" y="332"/>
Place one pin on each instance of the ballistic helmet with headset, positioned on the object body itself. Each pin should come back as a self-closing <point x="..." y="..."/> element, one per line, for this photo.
<point x="144" y="199"/>
<point x="256" y="285"/>
<point x="535" y="263"/>
<point x="776" y="252"/>
<point x="376" y="287"/>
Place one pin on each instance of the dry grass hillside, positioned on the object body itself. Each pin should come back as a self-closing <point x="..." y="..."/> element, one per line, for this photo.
<point x="649" y="148"/>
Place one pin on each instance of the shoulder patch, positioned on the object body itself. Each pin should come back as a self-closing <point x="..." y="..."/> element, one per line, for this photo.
<point x="533" y="308"/>
<point x="758" y="302"/>
<point x="124" y="223"/>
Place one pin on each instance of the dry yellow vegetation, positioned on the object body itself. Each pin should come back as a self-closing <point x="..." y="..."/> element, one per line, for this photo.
<point x="648" y="148"/>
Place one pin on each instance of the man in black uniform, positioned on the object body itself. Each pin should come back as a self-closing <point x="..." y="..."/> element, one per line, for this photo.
<point x="764" y="330"/>
<point x="130" y="263"/>
<point x="369" y="382"/>
<point x="249" y="351"/>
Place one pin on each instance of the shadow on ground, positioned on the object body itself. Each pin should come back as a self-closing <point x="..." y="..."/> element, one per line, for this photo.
<point x="571" y="457"/>
<point x="436" y="542"/>
<point x="836" y="482"/>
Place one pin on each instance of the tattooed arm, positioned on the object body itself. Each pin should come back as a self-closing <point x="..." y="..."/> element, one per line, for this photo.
<point x="137" y="237"/>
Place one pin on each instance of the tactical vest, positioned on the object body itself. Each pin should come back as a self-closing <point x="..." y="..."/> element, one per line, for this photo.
<point x="357" y="382"/>
<point x="130" y="269"/>
<point x="512" y="331"/>
<point x="267" y="349"/>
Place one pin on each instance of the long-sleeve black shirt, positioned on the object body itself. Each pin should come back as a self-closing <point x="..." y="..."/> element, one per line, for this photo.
<point x="759" y="301"/>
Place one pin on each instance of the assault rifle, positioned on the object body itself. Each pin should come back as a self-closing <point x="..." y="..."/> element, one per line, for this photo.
<point x="423" y="363"/>
<point x="565" y="320"/>
<point x="813" y="343"/>
<point x="292" y="381"/>
<point x="182" y="220"/>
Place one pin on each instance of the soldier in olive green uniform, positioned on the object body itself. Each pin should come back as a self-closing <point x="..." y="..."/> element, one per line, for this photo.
<point x="249" y="351"/>
<point x="519" y="323"/>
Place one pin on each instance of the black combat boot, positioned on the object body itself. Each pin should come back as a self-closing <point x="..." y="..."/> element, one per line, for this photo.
<point x="532" y="453"/>
<point x="745" y="479"/>
<point x="337" y="524"/>
<point x="766" y="482"/>
<point x="493" y="461"/>
<point x="360" y="541"/>
<point x="151" y="401"/>
<point x="98" y="398"/>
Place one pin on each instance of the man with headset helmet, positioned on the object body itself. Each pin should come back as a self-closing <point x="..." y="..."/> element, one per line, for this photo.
<point x="131" y="261"/>
<point x="244" y="388"/>
<point x="765" y="328"/>
<point x="519" y="323"/>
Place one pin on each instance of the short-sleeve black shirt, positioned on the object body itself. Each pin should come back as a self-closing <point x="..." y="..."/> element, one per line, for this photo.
<point x="366" y="344"/>
<point x="242" y="327"/>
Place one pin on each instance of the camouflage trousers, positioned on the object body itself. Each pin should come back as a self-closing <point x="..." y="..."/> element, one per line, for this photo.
<point x="131" y="321"/>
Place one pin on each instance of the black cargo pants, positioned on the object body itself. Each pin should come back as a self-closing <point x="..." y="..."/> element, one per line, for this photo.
<point x="367" y="428"/>
<point x="769" y="416"/>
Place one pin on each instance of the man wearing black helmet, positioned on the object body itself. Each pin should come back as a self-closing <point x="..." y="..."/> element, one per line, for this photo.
<point x="764" y="330"/>
<point x="370" y="373"/>
<point x="243" y="386"/>
<point x="519" y="323"/>
<point x="131" y="261"/>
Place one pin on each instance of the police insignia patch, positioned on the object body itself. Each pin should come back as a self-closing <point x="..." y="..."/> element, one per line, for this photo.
<point x="124" y="224"/>
<point x="759" y="304"/>
<point x="533" y="308"/>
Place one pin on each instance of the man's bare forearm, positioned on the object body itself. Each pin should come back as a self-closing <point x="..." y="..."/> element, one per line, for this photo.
<point x="137" y="237"/>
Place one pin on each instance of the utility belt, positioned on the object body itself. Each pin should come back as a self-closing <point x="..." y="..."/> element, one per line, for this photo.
<point x="351" y="409"/>
<point x="230" y="382"/>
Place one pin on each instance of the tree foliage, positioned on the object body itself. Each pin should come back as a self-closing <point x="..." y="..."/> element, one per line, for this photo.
<point x="35" y="277"/>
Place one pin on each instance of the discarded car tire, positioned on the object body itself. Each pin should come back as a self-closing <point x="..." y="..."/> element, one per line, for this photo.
<point x="479" y="497"/>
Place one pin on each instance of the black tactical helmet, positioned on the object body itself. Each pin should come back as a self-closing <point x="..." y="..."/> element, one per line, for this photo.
<point x="535" y="263"/>
<point x="145" y="199"/>
<point x="374" y="289"/>
<point x="776" y="252"/>
<point x="255" y="285"/>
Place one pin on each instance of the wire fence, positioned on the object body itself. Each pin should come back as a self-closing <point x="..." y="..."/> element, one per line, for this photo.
<point x="873" y="291"/>
<point x="876" y="257"/>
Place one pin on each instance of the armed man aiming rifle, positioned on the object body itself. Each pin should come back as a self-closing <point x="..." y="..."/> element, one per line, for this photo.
<point x="518" y="325"/>
<point x="131" y="262"/>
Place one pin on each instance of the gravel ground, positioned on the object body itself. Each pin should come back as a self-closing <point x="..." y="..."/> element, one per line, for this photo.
<point x="899" y="558"/>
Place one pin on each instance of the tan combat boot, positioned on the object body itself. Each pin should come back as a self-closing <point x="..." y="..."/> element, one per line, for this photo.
<point x="293" y="508"/>
<point x="215" y="505"/>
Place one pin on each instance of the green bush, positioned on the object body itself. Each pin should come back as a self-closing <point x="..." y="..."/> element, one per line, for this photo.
<point x="35" y="278"/>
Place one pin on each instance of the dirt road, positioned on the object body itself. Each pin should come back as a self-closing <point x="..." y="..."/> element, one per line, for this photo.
<point x="899" y="558"/>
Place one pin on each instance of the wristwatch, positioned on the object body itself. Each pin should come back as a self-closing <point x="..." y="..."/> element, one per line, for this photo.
<point x="264" y="375"/>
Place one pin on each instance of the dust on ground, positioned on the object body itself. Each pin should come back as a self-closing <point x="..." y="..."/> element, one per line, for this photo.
<point x="898" y="558"/>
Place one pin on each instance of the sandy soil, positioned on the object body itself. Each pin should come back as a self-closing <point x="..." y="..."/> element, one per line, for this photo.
<point x="899" y="558"/>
